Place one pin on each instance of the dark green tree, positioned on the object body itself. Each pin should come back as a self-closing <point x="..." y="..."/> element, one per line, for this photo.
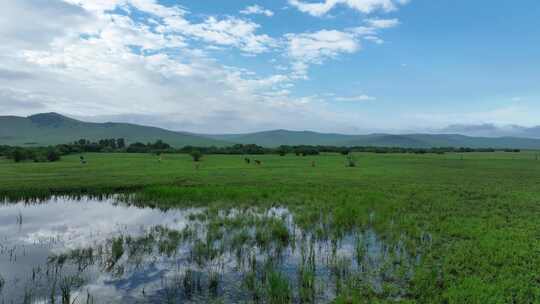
<point x="196" y="155"/>
<point x="19" y="155"/>
<point x="345" y="151"/>
<point x="53" y="155"/>
<point x="121" y="143"/>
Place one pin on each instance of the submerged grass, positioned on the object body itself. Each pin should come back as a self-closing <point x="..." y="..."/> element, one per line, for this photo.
<point x="278" y="288"/>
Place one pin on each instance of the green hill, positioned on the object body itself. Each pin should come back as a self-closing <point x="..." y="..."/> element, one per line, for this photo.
<point x="53" y="128"/>
<point x="284" y="137"/>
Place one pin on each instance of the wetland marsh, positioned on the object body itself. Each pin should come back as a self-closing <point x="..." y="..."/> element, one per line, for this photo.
<point x="396" y="229"/>
<point x="103" y="251"/>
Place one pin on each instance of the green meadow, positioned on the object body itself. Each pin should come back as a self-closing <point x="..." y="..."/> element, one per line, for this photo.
<point x="471" y="220"/>
<point x="117" y="171"/>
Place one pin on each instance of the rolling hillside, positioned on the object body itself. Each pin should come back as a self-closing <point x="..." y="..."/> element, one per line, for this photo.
<point x="284" y="137"/>
<point x="52" y="128"/>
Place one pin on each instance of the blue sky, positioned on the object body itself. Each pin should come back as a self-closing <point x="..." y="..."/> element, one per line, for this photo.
<point x="353" y="66"/>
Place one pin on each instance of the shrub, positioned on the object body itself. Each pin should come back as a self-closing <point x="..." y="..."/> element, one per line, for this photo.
<point x="351" y="162"/>
<point x="38" y="157"/>
<point x="19" y="155"/>
<point x="137" y="148"/>
<point x="196" y="155"/>
<point x="53" y="155"/>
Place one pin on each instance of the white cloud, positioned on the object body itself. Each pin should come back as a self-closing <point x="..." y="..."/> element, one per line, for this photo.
<point x="309" y="48"/>
<point x="229" y="31"/>
<point x="364" y="6"/>
<point x="363" y="31"/>
<point x="257" y="10"/>
<point x="97" y="5"/>
<point x="172" y="21"/>
<point x="113" y="65"/>
<point x="26" y="24"/>
<point x="374" y="39"/>
<point x="314" y="48"/>
<point x="383" y="23"/>
<point x="355" y="98"/>
<point x="140" y="61"/>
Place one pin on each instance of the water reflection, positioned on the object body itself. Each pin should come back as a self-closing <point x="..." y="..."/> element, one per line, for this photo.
<point x="89" y="251"/>
<point x="31" y="233"/>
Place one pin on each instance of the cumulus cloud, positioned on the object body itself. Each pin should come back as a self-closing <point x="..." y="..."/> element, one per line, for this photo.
<point x="139" y="60"/>
<point x="26" y="23"/>
<point x="315" y="47"/>
<point x="257" y="10"/>
<point x="229" y="31"/>
<point x="111" y="64"/>
<point x="310" y="48"/>
<point x="364" y="6"/>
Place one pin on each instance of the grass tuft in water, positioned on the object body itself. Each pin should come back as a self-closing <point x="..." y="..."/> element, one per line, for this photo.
<point x="117" y="250"/>
<point x="278" y="290"/>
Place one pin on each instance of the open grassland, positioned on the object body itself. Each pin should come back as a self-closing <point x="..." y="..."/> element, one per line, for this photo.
<point x="480" y="213"/>
<point x="128" y="171"/>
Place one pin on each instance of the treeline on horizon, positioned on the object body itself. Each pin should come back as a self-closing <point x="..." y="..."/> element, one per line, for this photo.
<point x="54" y="153"/>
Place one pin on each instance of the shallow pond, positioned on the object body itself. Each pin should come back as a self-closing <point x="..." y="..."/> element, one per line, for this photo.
<point x="91" y="251"/>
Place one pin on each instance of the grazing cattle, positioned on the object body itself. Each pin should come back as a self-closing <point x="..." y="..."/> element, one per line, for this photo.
<point x="247" y="160"/>
<point x="258" y="162"/>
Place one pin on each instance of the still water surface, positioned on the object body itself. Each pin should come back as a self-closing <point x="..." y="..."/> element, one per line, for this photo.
<point x="102" y="251"/>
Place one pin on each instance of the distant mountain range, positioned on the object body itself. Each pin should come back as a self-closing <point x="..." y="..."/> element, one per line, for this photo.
<point x="285" y="137"/>
<point x="52" y="128"/>
<point x="491" y="130"/>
